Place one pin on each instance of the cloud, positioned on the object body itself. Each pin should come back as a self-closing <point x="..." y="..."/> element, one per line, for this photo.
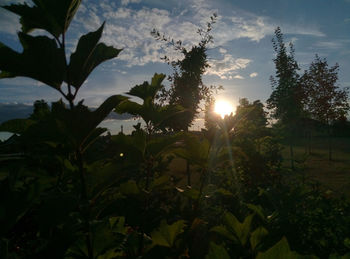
<point x="126" y="2"/>
<point x="336" y="44"/>
<point x="227" y="66"/>
<point x="254" y="74"/>
<point x="238" y="77"/>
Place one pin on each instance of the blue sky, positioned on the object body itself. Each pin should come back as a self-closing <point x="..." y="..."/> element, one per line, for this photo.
<point x="240" y="57"/>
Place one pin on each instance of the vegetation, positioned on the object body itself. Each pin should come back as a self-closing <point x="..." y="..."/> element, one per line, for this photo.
<point x="67" y="191"/>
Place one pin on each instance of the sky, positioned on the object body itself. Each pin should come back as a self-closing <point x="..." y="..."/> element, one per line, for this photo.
<point x="240" y="58"/>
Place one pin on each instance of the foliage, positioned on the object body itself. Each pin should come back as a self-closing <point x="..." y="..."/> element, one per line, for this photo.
<point x="325" y="101"/>
<point x="286" y="97"/>
<point x="187" y="88"/>
<point x="68" y="192"/>
<point x="156" y="116"/>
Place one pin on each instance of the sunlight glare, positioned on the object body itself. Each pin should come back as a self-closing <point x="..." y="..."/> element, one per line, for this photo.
<point x="223" y="108"/>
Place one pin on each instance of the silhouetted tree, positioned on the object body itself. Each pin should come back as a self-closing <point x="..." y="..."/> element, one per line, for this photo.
<point x="286" y="98"/>
<point x="187" y="88"/>
<point x="251" y="119"/>
<point x="40" y="111"/>
<point x="324" y="100"/>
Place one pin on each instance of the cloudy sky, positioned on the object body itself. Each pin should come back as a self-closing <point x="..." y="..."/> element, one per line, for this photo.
<point x="240" y="57"/>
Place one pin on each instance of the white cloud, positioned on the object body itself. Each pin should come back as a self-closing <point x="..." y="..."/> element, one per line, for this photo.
<point x="126" y="2"/>
<point x="222" y="50"/>
<point x="238" y="77"/>
<point x="336" y="44"/>
<point x="226" y="67"/>
<point x="254" y="74"/>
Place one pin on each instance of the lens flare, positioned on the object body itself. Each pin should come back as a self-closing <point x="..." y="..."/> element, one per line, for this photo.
<point x="223" y="108"/>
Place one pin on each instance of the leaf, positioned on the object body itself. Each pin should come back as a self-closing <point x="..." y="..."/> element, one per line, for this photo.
<point x="225" y="233"/>
<point x="257" y="236"/>
<point x="52" y="16"/>
<point x="41" y="60"/>
<point x="87" y="56"/>
<point x="166" y="234"/>
<point x="17" y="126"/>
<point x="240" y="230"/>
<point x="217" y="251"/>
<point x="279" y="250"/>
<point x="258" y="210"/>
<point x="117" y="225"/>
<point x="130" y="187"/>
<point x="130" y="107"/>
<point x="146" y="90"/>
<point x="282" y="250"/>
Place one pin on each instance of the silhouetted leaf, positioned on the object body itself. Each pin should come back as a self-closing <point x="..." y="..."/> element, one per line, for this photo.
<point x="87" y="56"/>
<point x="146" y="90"/>
<point x="52" y="16"/>
<point x="17" y="126"/>
<point x="41" y="59"/>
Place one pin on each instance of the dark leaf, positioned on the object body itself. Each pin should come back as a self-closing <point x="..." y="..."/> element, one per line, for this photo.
<point x="52" y="16"/>
<point x="41" y="59"/>
<point x="87" y="56"/>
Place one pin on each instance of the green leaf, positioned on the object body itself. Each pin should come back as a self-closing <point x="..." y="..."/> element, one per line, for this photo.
<point x="87" y="56"/>
<point x="225" y="233"/>
<point x="41" y="60"/>
<point x="130" y="187"/>
<point x="258" y="210"/>
<point x="17" y="126"/>
<point x="130" y="107"/>
<point x="166" y="234"/>
<point x="281" y="250"/>
<point x="52" y="16"/>
<point x="217" y="251"/>
<point x="240" y="230"/>
<point x="257" y="237"/>
<point x="117" y="225"/>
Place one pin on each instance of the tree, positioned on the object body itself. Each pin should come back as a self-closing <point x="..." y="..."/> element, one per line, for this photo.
<point x="41" y="110"/>
<point x="187" y="88"/>
<point x="286" y="98"/>
<point x="324" y="100"/>
<point x="251" y="119"/>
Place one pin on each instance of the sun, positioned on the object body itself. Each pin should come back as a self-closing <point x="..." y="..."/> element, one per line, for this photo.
<point x="223" y="108"/>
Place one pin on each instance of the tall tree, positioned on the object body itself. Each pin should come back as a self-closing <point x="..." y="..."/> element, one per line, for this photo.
<point x="187" y="88"/>
<point x="324" y="99"/>
<point x="286" y="98"/>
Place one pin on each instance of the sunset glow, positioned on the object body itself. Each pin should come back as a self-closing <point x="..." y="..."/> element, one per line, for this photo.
<point x="223" y="108"/>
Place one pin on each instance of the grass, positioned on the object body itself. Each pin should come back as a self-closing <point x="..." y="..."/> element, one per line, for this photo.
<point x="315" y="165"/>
